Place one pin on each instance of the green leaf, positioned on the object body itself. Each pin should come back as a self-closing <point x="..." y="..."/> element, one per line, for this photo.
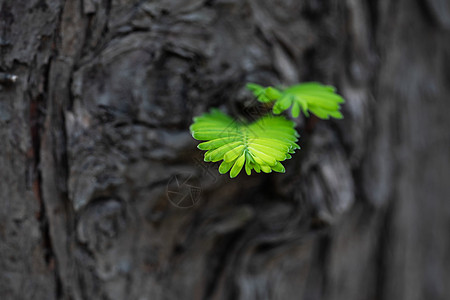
<point x="272" y="93"/>
<point x="319" y="99"/>
<point x="259" y="92"/>
<point x="295" y="111"/>
<point x="237" y="167"/>
<point x="225" y="167"/>
<point x="259" y="146"/>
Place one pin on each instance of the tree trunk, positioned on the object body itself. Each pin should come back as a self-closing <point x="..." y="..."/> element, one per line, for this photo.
<point x="104" y="195"/>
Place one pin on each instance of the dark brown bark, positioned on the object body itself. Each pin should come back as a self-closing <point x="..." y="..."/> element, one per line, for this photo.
<point x="96" y="126"/>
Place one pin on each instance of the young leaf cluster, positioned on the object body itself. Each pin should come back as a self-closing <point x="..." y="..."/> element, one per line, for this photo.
<point x="320" y="100"/>
<point x="259" y="146"/>
<point x="265" y="143"/>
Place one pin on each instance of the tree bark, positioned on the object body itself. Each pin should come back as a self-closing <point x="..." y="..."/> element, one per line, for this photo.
<point x="95" y="136"/>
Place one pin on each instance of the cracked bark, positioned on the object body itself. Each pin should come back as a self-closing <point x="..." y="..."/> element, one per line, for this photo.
<point x="96" y="125"/>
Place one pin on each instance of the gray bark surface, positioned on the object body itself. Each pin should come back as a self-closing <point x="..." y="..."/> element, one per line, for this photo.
<point x="95" y="128"/>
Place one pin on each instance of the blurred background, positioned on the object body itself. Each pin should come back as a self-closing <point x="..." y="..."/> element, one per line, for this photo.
<point x="104" y="195"/>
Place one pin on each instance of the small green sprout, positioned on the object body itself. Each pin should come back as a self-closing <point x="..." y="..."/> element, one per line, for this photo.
<point x="260" y="145"/>
<point x="263" y="144"/>
<point x="320" y="100"/>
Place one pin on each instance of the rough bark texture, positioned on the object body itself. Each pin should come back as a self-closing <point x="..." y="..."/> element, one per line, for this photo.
<point x="96" y="126"/>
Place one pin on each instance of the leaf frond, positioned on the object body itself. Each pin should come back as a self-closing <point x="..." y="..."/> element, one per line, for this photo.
<point x="309" y="97"/>
<point x="259" y="146"/>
